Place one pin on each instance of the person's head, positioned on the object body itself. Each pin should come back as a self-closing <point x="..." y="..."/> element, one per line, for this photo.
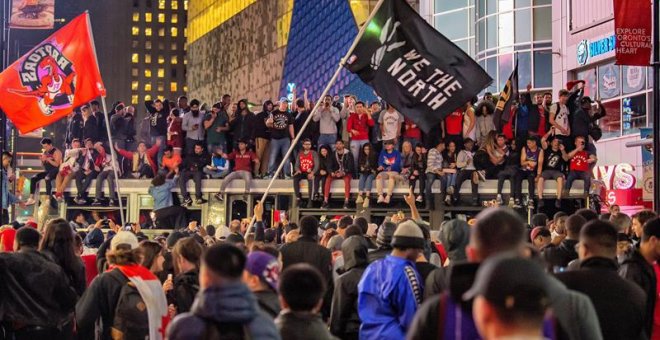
<point x="79" y="216"/>
<point x="510" y="297"/>
<point x="501" y="140"/>
<point x="186" y="255"/>
<point x="574" y="224"/>
<point x="307" y="144"/>
<point x="407" y="147"/>
<point x="622" y="222"/>
<point x="26" y="238"/>
<point x="587" y="214"/>
<point x="344" y="222"/>
<point x="226" y="100"/>
<point x="563" y="96"/>
<point x="451" y="147"/>
<point x="366" y="149"/>
<point x="124" y="249"/>
<point x="339" y="145"/>
<point x="235" y="226"/>
<point x="194" y="105"/>
<point x="6" y="159"/>
<point x="46" y="144"/>
<point x="360" y="108"/>
<point x="538" y="99"/>
<point x="623" y="244"/>
<point x="353" y="230"/>
<point x="440" y="146"/>
<point x="547" y="98"/>
<point x="488" y="96"/>
<point x="199" y="148"/>
<point x="262" y="271"/>
<point x="389" y="145"/>
<point x="58" y="239"/>
<point x="585" y="103"/>
<point x="554" y="144"/>
<point x="540" y="237"/>
<point x="89" y="143"/>
<point x="362" y="223"/>
<point x="650" y="244"/>
<point x="408" y="240"/>
<point x="531" y="142"/>
<point x="639" y="219"/>
<point x="158" y="180"/>
<point x="468" y="143"/>
<point x="284" y="105"/>
<point x="301" y="288"/>
<point x="597" y="239"/>
<point x="243" y="105"/>
<point x="75" y="143"/>
<point x="539" y="220"/>
<point x="152" y="256"/>
<point x="86" y="111"/>
<point x="142" y="147"/>
<point x="497" y="230"/>
<point x="580" y="142"/>
<point x="158" y="104"/>
<point x="221" y="263"/>
<point x="182" y="102"/>
<point x="385" y="233"/>
<point x="375" y="107"/>
<point x="309" y="227"/>
<point x="324" y="150"/>
<point x="242" y="145"/>
<point x="327" y="100"/>
<point x="419" y="149"/>
<point x="168" y="152"/>
<point x="173" y="114"/>
<point x="614" y="209"/>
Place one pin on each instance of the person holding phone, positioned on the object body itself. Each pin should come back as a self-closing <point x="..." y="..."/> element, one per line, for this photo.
<point x="192" y="125"/>
<point x="580" y="162"/>
<point x="327" y="115"/>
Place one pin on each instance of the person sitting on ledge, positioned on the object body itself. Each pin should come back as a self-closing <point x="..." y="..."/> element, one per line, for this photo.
<point x="243" y="159"/>
<point x="144" y="163"/>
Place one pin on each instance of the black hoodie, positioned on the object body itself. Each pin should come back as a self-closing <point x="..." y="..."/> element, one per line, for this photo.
<point x="344" y="318"/>
<point x="260" y="128"/>
<point x="242" y="127"/>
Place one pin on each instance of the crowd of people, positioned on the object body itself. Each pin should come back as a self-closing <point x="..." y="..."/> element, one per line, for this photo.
<point x="582" y="276"/>
<point x="536" y="140"/>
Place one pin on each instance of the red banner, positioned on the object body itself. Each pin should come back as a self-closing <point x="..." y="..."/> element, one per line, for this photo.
<point x="632" y="27"/>
<point x="58" y="75"/>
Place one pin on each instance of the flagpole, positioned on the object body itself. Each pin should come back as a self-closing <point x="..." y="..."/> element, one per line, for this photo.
<point x="332" y="81"/>
<point x="107" y="127"/>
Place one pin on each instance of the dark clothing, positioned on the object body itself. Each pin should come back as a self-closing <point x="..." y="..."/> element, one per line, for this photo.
<point x="196" y="176"/>
<point x="561" y="255"/>
<point x="242" y="127"/>
<point x="269" y="302"/>
<point x="281" y="122"/>
<point x="302" y="325"/>
<point x="195" y="162"/>
<point x="425" y="269"/>
<point x="77" y="279"/>
<point x="344" y="318"/>
<point x="186" y="286"/>
<point x="310" y="132"/>
<point x="90" y="129"/>
<point x="636" y="269"/>
<point x="34" y="290"/>
<point x="619" y="303"/>
<point x="74" y="129"/>
<point x="157" y="119"/>
<point x="102" y="131"/>
<point x="232" y="303"/>
<point x="260" y="128"/>
<point x="338" y="162"/>
<point x="99" y="302"/>
<point x="533" y="119"/>
<point x="379" y="253"/>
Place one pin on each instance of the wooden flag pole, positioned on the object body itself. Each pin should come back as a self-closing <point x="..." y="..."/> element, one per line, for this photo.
<point x="332" y="81"/>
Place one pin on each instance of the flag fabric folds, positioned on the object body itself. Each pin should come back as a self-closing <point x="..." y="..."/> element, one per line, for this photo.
<point x="508" y="94"/>
<point x="56" y="76"/>
<point x="413" y="67"/>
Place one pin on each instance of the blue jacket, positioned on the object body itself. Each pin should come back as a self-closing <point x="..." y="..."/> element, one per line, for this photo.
<point x="219" y="163"/>
<point x="390" y="161"/>
<point x="8" y="198"/>
<point x="230" y="303"/>
<point x="162" y="194"/>
<point x="388" y="296"/>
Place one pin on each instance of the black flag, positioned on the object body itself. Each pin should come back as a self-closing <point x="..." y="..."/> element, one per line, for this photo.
<point x="507" y="96"/>
<point x="413" y="67"/>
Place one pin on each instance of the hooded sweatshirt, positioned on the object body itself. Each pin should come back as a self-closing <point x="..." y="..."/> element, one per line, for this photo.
<point x="344" y="318"/>
<point x="260" y="128"/>
<point x="230" y="303"/>
<point x="455" y="235"/>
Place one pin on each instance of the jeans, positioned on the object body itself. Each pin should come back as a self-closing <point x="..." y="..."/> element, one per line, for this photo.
<point x="196" y="176"/>
<point x="48" y="177"/>
<point x="510" y="173"/>
<point x="83" y="181"/>
<point x="462" y="176"/>
<point x="347" y="186"/>
<point x="161" y="149"/>
<point x="105" y="175"/>
<point x="430" y="178"/>
<point x="583" y="175"/>
<point x="356" y="145"/>
<point x="279" y="147"/>
<point x="366" y="182"/>
<point x="215" y="174"/>
<point x="327" y="139"/>
<point x="319" y="183"/>
<point x="451" y="179"/>
<point x="421" y="178"/>
<point x="240" y="174"/>
<point x="311" y="189"/>
<point x="530" y="176"/>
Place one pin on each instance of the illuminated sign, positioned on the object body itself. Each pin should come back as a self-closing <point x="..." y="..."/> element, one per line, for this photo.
<point x="586" y="49"/>
<point x="289" y="88"/>
<point x="616" y="177"/>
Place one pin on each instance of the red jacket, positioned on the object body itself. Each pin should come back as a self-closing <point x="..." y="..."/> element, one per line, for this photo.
<point x="361" y="124"/>
<point x="151" y="156"/>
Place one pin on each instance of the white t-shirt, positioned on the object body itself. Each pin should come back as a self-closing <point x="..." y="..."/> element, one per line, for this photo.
<point x="391" y="123"/>
<point x="561" y="118"/>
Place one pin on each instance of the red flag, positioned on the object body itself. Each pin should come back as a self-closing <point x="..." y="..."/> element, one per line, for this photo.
<point x="632" y="26"/>
<point x="56" y="76"/>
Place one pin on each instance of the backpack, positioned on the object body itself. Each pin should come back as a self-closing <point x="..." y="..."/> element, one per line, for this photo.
<point x="131" y="320"/>
<point x="225" y="331"/>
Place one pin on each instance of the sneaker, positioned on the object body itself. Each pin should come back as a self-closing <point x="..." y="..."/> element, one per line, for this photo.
<point x="447" y="200"/>
<point x="387" y="199"/>
<point x="325" y="205"/>
<point x="30" y="201"/>
<point x="482" y="175"/>
<point x="346" y="204"/>
<point x="268" y="177"/>
<point x="450" y="190"/>
<point x="499" y="200"/>
<point x="219" y="196"/>
<point x="381" y="199"/>
<point x="517" y="204"/>
<point x="200" y="201"/>
<point x="419" y="199"/>
<point x="187" y="202"/>
<point x="359" y="199"/>
<point x="96" y="202"/>
<point x="557" y="204"/>
<point x="366" y="202"/>
<point x="288" y="178"/>
<point x="541" y="203"/>
<point x="111" y="203"/>
<point x="80" y="201"/>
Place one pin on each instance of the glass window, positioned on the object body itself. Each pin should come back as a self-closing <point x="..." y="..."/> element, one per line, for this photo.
<point x="611" y="123"/>
<point x="453" y="25"/>
<point x="543" y="23"/>
<point x="505" y="62"/>
<point x="147" y="31"/>
<point x="505" y="5"/>
<point x="161" y="17"/>
<point x="175" y="18"/>
<point x="650" y="110"/>
<point x="175" y="4"/>
<point x="491" y="69"/>
<point x="185" y="5"/>
<point x="542" y="2"/>
<point x="481" y="8"/>
<point x="147" y="86"/>
<point x="173" y="46"/>
<point x="160" y="86"/>
<point x="173" y="73"/>
<point x="608" y="81"/>
<point x="174" y="31"/>
<point x="136" y="16"/>
<point x="185" y="88"/>
<point x="135" y="44"/>
<point x="173" y="60"/>
<point x="161" y="32"/>
<point x="590" y="83"/>
<point x="633" y="78"/>
<point x="524" y="69"/>
<point x="185" y="61"/>
<point x="161" y="45"/>
<point x="505" y="28"/>
<point x="135" y="58"/>
<point x="161" y="73"/>
<point x="633" y="113"/>
<point x="173" y="86"/>
<point x="147" y="17"/>
<point x="147" y="73"/>
<point x="135" y="72"/>
<point x="491" y="7"/>
<point x="491" y="32"/>
<point x="134" y="99"/>
<point x="147" y="45"/>
<point x="134" y="85"/>
<point x="161" y="4"/>
<point x="135" y="30"/>
<point x="161" y="59"/>
<point x="523" y="3"/>
<point x="147" y="58"/>
<point x="444" y="5"/>
<point x="650" y="71"/>
<point x="464" y="45"/>
<point x="481" y="35"/>
<point x="147" y="97"/>
<point x="542" y="69"/>
<point x="523" y="33"/>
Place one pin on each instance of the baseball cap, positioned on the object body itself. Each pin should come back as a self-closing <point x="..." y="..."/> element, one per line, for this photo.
<point x="124" y="237"/>
<point x="511" y="283"/>
<point x="539" y="231"/>
<point x="284" y="99"/>
<point x="265" y="266"/>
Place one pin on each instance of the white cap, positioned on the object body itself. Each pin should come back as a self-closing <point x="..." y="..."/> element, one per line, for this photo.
<point x="124" y="237"/>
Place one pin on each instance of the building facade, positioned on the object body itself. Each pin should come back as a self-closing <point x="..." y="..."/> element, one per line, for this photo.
<point x="584" y="49"/>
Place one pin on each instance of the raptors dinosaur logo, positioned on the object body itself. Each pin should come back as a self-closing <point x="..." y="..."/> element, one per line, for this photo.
<point x="48" y="76"/>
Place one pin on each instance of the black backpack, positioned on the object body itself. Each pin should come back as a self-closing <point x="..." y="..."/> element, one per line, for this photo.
<point x="225" y="331"/>
<point x="131" y="321"/>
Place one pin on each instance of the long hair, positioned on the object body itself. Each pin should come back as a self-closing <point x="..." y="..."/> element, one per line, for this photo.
<point x="188" y="249"/>
<point x="367" y="160"/>
<point x="58" y="240"/>
<point x="150" y="252"/>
